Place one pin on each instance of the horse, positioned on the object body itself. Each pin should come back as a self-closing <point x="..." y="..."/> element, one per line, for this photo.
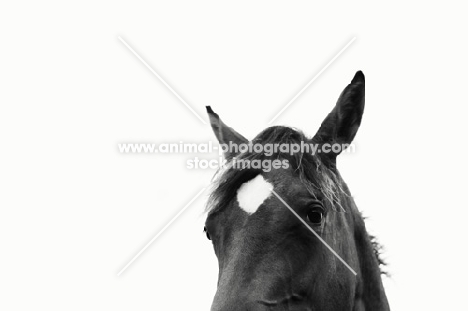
<point x="290" y="237"/>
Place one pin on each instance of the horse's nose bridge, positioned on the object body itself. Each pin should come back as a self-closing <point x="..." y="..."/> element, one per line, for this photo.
<point x="235" y="290"/>
<point x="249" y="285"/>
<point x="232" y="283"/>
<point x="245" y="276"/>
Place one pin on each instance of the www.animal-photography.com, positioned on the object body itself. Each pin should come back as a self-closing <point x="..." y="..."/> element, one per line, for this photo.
<point x="231" y="156"/>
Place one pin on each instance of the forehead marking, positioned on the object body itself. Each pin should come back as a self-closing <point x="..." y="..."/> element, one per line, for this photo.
<point x="253" y="193"/>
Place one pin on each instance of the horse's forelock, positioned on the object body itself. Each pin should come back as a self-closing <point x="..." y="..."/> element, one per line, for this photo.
<point x="310" y="169"/>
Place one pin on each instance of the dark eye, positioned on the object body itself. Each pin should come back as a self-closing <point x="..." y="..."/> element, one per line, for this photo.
<point x="315" y="215"/>
<point x="207" y="234"/>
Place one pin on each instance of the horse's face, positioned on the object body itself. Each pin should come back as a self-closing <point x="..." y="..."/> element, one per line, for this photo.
<point x="269" y="260"/>
<point x="273" y="230"/>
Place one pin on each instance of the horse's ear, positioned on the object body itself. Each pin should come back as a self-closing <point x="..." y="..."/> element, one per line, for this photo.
<point x="342" y="123"/>
<point x="225" y="134"/>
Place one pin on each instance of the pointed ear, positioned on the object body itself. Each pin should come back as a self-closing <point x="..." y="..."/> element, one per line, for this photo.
<point x="342" y="123"/>
<point x="225" y="134"/>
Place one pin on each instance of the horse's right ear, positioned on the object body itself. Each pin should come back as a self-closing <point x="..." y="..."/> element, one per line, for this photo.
<point x="342" y="123"/>
<point x="225" y="134"/>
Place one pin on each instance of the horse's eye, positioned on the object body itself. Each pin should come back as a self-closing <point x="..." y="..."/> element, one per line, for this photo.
<point x="315" y="216"/>
<point x="207" y="234"/>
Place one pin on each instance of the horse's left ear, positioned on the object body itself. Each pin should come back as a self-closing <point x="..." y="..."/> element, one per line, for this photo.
<point x="342" y="123"/>
<point x="225" y="134"/>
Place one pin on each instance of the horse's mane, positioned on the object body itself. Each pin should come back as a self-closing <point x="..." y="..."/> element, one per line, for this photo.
<point x="378" y="250"/>
<point x="319" y="179"/>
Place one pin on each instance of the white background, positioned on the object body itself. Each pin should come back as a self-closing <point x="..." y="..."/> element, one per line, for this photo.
<point x="74" y="211"/>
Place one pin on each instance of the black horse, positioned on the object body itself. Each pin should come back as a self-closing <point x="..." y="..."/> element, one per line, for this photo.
<point x="291" y="237"/>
